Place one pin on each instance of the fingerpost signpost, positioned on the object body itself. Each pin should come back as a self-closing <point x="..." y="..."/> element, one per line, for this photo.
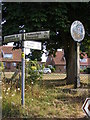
<point x="77" y="32"/>
<point x="27" y="39"/>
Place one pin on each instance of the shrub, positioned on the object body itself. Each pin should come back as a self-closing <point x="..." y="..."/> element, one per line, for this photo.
<point x="87" y="70"/>
<point x="52" y="68"/>
<point x="32" y="72"/>
<point x="1" y="66"/>
<point x="81" y="71"/>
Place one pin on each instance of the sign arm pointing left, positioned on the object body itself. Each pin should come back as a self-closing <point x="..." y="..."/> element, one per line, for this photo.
<point x="28" y="36"/>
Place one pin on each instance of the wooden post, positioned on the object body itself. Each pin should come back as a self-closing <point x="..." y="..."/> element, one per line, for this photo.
<point x="78" y="64"/>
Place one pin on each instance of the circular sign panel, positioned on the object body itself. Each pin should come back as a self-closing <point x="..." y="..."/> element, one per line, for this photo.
<point x="77" y="31"/>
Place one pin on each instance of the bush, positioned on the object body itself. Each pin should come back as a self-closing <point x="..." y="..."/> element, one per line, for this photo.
<point x="81" y="71"/>
<point x="52" y="68"/>
<point x="32" y="73"/>
<point x="1" y="66"/>
<point x="87" y="70"/>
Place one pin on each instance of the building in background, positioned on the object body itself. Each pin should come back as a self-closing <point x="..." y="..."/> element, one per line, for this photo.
<point x="59" y="61"/>
<point x="10" y="57"/>
<point x="84" y="62"/>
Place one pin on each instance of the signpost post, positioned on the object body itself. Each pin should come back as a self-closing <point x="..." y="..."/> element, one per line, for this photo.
<point x="23" y="70"/>
<point x="26" y="39"/>
<point x="77" y="32"/>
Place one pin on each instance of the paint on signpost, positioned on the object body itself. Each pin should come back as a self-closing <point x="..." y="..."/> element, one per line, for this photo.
<point x="23" y="55"/>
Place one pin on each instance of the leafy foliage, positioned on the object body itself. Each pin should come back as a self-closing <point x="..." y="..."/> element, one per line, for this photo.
<point x="35" y="54"/>
<point x="52" y="68"/>
<point x="87" y="70"/>
<point x="1" y="66"/>
<point x="56" y="17"/>
<point x="32" y="72"/>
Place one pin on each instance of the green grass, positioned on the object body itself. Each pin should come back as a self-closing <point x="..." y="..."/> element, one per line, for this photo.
<point x="42" y="101"/>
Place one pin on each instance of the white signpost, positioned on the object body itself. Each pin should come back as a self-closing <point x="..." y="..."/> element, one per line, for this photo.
<point x="12" y="38"/>
<point x="86" y="107"/>
<point x="37" y="35"/>
<point x="77" y="32"/>
<point x="33" y="45"/>
<point x="26" y="38"/>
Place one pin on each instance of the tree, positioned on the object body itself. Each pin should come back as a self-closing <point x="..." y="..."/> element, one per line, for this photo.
<point x="77" y="9"/>
<point x="35" y="54"/>
<point x="56" y="17"/>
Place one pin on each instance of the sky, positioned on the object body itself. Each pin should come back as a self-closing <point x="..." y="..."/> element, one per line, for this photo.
<point x="27" y="51"/>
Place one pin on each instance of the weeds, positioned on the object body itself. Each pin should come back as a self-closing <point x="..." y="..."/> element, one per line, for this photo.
<point x="44" y="102"/>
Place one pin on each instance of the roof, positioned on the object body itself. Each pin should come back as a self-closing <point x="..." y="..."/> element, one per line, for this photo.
<point x="9" y="50"/>
<point x="59" y="59"/>
<point x="85" y="60"/>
